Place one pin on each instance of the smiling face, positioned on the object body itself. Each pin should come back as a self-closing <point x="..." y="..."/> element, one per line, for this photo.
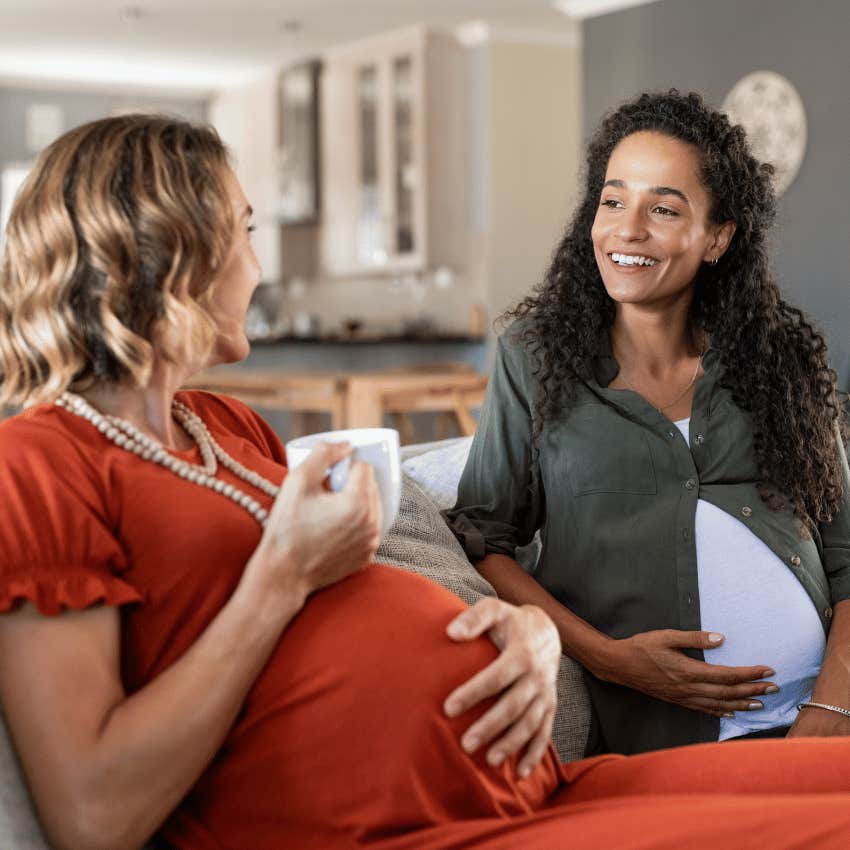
<point x="652" y="230"/>
<point x="230" y="292"/>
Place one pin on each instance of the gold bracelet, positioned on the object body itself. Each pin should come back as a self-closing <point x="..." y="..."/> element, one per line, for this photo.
<point x="837" y="709"/>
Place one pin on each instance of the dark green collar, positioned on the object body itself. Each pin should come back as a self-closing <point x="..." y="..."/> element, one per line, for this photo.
<point x="605" y="368"/>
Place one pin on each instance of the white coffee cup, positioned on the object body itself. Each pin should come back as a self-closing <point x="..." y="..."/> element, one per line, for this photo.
<point x="378" y="447"/>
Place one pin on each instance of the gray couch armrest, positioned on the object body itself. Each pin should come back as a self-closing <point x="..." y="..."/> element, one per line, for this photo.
<point x="19" y="826"/>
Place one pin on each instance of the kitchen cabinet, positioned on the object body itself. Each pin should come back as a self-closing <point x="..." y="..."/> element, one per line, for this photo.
<point x="393" y="151"/>
<point x="298" y="155"/>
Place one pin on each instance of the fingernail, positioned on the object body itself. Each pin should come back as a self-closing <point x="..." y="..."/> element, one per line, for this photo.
<point x="470" y="743"/>
<point x="714" y="637"/>
<point x="524" y="771"/>
<point x="755" y="705"/>
<point x="451" y="709"/>
<point x="495" y="758"/>
<point x="771" y="689"/>
<point x="729" y="714"/>
<point x="457" y="629"/>
<point x="768" y="673"/>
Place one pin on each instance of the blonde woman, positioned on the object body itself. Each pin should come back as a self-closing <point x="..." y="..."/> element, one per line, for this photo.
<point x="161" y="668"/>
<point x="148" y="576"/>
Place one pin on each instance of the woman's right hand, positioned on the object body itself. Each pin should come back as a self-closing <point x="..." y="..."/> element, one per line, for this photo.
<point x="106" y="767"/>
<point x="654" y="663"/>
<point x="314" y="537"/>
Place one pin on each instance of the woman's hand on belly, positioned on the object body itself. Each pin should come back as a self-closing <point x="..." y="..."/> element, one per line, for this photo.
<point x="314" y="537"/>
<point x="653" y="662"/>
<point x="524" y="675"/>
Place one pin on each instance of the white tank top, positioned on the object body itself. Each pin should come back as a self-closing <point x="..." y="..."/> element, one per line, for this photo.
<point x="748" y="594"/>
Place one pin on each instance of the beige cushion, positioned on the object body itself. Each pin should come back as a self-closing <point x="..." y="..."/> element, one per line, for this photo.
<point x="421" y="542"/>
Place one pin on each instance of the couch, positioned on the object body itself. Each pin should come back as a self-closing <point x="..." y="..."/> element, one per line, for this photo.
<point x="420" y="542"/>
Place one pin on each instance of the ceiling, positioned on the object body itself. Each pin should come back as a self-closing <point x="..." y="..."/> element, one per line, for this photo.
<point x="202" y="45"/>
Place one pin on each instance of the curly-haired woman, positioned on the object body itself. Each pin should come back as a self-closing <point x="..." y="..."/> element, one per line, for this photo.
<point x="193" y="642"/>
<point x="670" y="426"/>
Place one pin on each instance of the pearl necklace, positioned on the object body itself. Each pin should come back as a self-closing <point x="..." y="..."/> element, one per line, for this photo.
<point x="126" y="436"/>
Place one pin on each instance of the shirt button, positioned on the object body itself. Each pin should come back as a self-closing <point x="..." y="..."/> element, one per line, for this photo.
<point x="827" y="612"/>
<point x="795" y="560"/>
<point x="690" y="484"/>
<point x="746" y="511"/>
<point x="699" y="439"/>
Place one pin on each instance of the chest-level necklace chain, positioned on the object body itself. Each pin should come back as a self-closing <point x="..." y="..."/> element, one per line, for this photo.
<point x="125" y="435"/>
<point x="679" y="397"/>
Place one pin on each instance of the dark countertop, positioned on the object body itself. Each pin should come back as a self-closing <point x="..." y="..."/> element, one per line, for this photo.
<point x="369" y="340"/>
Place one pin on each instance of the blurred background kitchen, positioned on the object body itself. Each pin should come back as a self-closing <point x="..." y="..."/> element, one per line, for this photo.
<point x="412" y="162"/>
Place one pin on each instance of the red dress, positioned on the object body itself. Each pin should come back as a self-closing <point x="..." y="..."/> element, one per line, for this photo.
<point x="342" y="741"/>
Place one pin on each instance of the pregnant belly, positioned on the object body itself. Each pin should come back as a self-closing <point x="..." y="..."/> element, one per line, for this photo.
<point x="750" y="596"/>
<point x="343" y="737"/>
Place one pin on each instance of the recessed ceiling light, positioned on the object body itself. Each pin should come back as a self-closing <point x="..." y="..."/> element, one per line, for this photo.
<point x="131" y="14"/>
<point x="580" y="9"/>
<point x="472" y="33"/>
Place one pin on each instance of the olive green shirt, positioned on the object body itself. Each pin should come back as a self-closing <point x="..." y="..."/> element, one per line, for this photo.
<point x="614" y="499"/>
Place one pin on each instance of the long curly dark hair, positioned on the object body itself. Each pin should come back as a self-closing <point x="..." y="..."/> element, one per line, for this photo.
<point x="772" y="360"/>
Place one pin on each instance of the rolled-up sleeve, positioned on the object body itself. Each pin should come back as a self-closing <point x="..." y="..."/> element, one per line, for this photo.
<point x="500" y="503"/>
<point x="835" y="537"/>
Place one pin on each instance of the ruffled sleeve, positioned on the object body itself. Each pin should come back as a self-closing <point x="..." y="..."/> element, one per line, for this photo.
<point x="54" y="590"/>
<point x="58" y="549"/>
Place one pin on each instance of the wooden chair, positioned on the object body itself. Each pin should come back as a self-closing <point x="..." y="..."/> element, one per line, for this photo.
<point x="295" y="393"/>
<point x="360" y="400"/>
<point x="456" y="393"/>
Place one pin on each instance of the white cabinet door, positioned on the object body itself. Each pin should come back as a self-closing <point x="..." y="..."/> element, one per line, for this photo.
<point x="379" y="140"/>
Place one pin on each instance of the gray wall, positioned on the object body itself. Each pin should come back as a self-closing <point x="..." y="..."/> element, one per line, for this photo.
<point x="77" y="108"/>
<point x="708" y="47"/>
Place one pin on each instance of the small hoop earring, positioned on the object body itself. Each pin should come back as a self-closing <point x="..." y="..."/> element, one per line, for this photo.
<point x="714" y="261"/>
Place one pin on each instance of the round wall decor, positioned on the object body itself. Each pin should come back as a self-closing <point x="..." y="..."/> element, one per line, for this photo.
<point x="771" y="111"/>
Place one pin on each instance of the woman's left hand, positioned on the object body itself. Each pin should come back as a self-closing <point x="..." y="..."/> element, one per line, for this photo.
<point x="524" y="675"/>
<point x="819" y="723"/>
<point x="833" y="683"/>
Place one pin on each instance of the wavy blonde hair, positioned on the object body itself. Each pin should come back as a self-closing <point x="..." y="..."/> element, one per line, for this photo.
<point x="110" y="248"/>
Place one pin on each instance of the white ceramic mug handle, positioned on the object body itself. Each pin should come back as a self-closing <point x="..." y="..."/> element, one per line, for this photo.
<point x="338" y="473"/>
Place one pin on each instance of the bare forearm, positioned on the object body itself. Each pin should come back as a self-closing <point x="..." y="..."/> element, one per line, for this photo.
<point x="833" y="683"/>
<point x="106" y="768"/>
<point x="579" y="639"/>
<point x="154" y="745"/>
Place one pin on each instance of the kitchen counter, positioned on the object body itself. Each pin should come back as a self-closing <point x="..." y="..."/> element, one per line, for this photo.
<point x="363" y="339"/>
<point x="363" y="354"/>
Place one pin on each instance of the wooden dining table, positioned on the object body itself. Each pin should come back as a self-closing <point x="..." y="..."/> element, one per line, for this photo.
<point x="358" y="399"/>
